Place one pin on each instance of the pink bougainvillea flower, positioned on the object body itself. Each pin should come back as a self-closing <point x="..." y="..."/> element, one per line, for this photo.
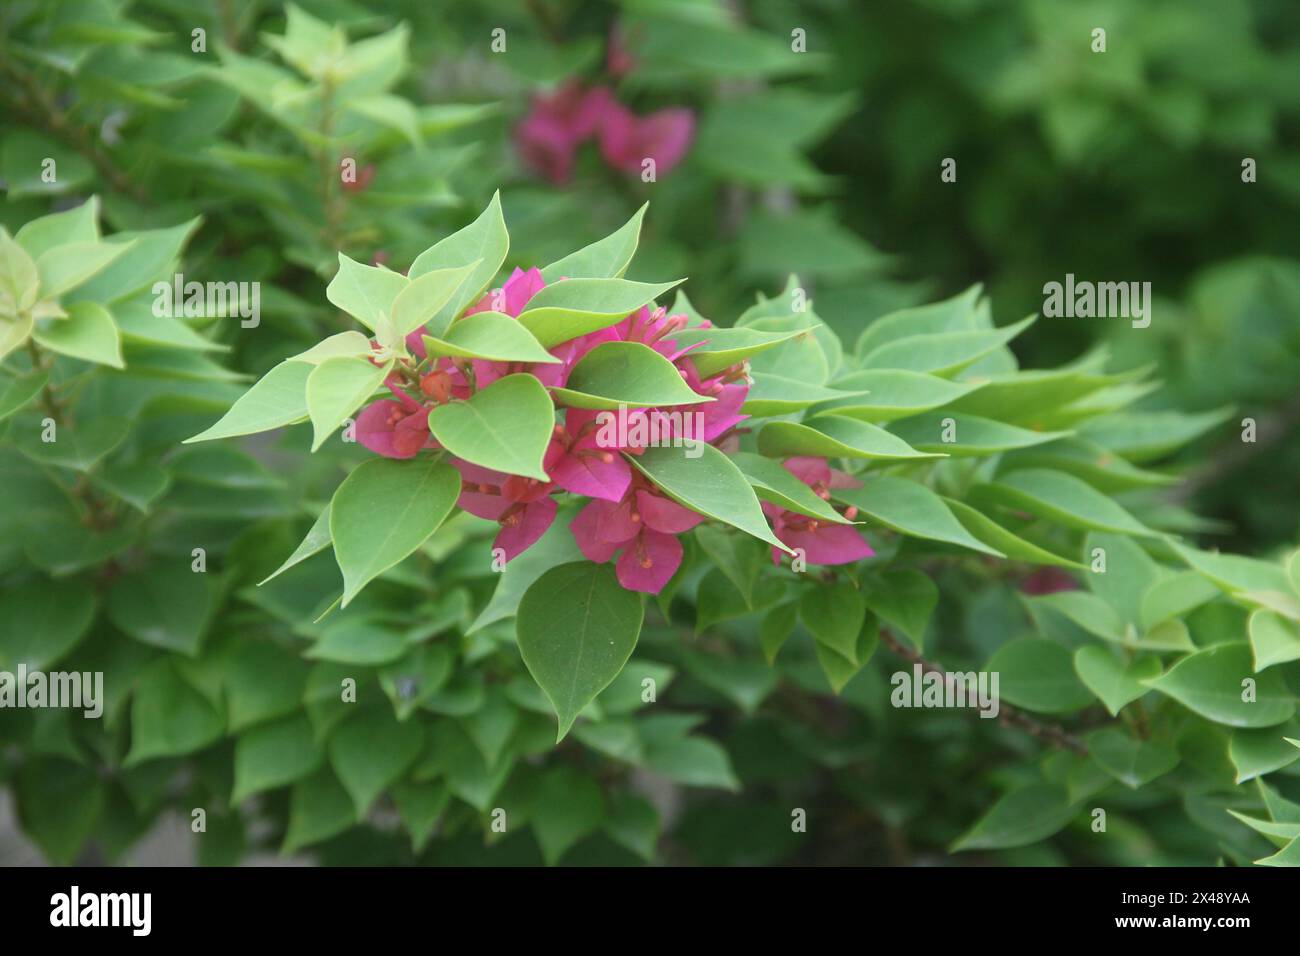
<point x="549" y="136"/>
<point x="587" y="466"/>
<point x="513" y="295"/>
<point x="627" y="140"/>
<point x="1048" y="580"/>
<point x="522" y="506"/>
<point x="394" y="429"/>
<point x="642" y="529"/>
<point x="821" y="542"/>
<point x="728" y="389"/>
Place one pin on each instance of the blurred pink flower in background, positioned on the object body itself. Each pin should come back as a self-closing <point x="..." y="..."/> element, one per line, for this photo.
<point x="549" y="136"/>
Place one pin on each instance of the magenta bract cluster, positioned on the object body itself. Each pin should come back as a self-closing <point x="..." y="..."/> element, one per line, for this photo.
<point x="628" y="517"/>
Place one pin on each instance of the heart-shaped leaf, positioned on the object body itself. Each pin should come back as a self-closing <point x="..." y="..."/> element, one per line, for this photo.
<point x="505" y="427"/>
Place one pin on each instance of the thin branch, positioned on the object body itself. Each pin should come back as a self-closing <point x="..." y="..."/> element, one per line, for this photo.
<point x="1009" y="716"/>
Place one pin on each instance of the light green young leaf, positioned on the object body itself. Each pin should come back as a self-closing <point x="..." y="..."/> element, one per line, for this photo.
<point x="63" y="268"/>
<point x="365" y="292"/>
<point x="484" y="241"/>
<point x="1273" y="639"/>
<point x="336" y="388"/>
<point x="493" y="336"/>
<point x="606" y="258"/>
<point x="575" y="307"/>
<point x="879" y="395"/>
<point x="80" y="224"/>
<point x="278" y="399"/>
<point x="425" y="297"/>
<point x="505" y="427"/>
<point x="88" y="333"/>
<point x="718" y="349"/>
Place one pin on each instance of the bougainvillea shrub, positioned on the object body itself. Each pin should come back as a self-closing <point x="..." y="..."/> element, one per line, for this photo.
<point x="342" y="522"/>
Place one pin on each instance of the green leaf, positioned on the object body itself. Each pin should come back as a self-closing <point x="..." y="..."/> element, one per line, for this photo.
<point x="693" y="761"/>
<point x="371" y="751"/>
<point x="833" y="436"/>
<point x="957" y="314"/>
<point x="1062" y="498"/>
<point x="1114" y="681"/>
<point x="168" y="607"/>
<point x="833" y="614"/>
<point x="1038" y="675"/>
<point x="80" y="224"/>
<point x="773" y="482"/>
<point x="773" y="394"/>
<point x="264" y="681"/>
<point x="566" y="310"/>
<point x="274" y="755"/>
<point x="278" y="399"/>
<point x="19" y="280"/>
<point x="577" y="628"/>
<point x="14" y="333"/>
<point x="912" y="509"/>
<point x="151" y="256"/>
<point x="1257" y="752"/>
<point x="719" y="349"/>
<point x="423" y="298"/>
<point x="43" y="620"/>
<point x="904" y="598"/>
<point x="626" y="374"/>
<point x="420" y="806"/>
<point x="1000" y="539"/>
<point x="60" y="804"/>
<point x="366" y="293"/>
<point x="1289" y="855"/>
<point x="383" y="511"/>
<point x="351" y="344"/>
<point x="505" y="427"/>
<point x="943" y="353"/>
<point x="1273" y="639"/>
<point x="17" y="392"/>
<point x="1026" y="815"/>
<point x="317" y="540"/>
<point x="336" y="388"/>
<point x="892" y="393"/>
<point x="391" y="111"/>
<point x="633" y="823"/>
<point x="87" y="333"/>
<point x="710" y="484"/>
<point x="1132" y="762"/>
<point x="489" y="335"/>
<point x="484" y="241"/>
<point x="971" y="435"/>
<point x="1174" y="596"/>
<point x="64" y="268"/>
<point x="1210" y="683"/>
<point x="319" y="808"/>
<point x="77" y="447"/>
<point x="169" y="717"/>
<point x="351" y="640"/>
<point x="567" y="807"/>
<point x="606" y="258"/>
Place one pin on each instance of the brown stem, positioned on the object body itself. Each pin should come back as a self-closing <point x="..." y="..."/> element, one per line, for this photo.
<point x="1009" y="716"/>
